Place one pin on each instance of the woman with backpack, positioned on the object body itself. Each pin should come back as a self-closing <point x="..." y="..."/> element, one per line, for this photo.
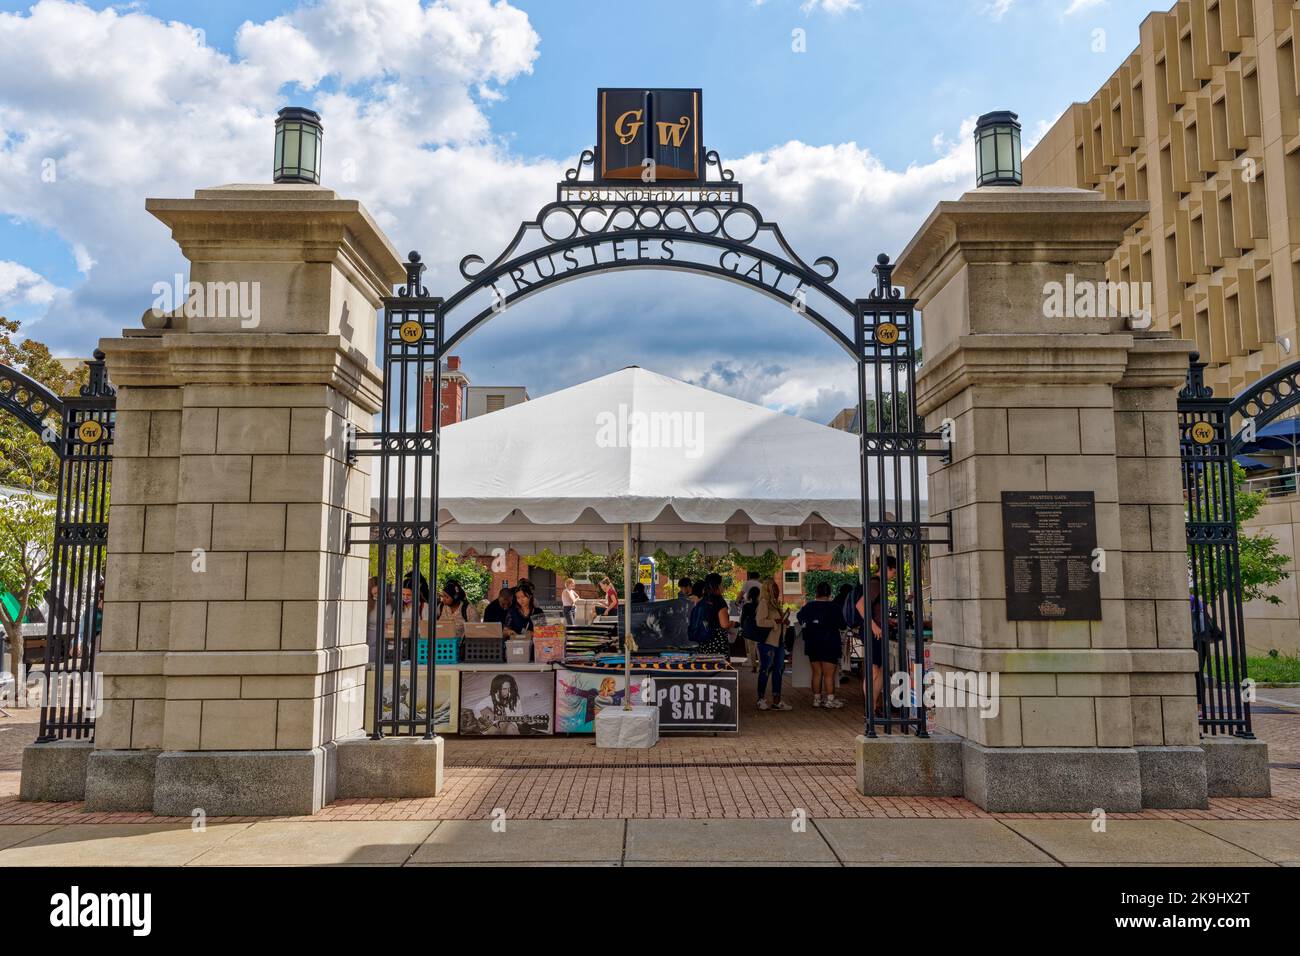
<point x="710" y="623"/>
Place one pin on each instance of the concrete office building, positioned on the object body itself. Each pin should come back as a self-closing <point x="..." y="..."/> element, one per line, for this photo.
<point x="1203" y="121"/>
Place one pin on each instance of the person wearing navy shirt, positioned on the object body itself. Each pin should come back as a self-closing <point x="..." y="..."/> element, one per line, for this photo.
<point x="822" y="621"/>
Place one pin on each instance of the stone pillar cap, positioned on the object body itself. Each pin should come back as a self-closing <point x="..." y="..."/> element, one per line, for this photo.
<point x="1010" y="224"/>
<point x="253" y="214"/>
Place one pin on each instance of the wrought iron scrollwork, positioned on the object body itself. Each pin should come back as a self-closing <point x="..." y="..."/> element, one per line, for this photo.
<point x="31" y="403"/>
<point x="739" y="226"/>
<point x="711" y="158"/>
<point x="1195" y="388"/>
<point x="587" y="158"/>
<point x="884" y="273"/>
<point x="1268" y="399"/>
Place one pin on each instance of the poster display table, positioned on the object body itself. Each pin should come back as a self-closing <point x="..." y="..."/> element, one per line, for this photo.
<point x="692" y="694"/>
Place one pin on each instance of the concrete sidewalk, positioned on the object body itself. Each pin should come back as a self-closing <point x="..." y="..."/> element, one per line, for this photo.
<point x="820" y="842"/>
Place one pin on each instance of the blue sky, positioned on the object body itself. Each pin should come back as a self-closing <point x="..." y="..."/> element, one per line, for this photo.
<point x="850" y="143"/>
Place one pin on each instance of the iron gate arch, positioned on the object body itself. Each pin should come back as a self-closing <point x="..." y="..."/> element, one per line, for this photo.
<point x="79" y="429"/>
<point x="415" y="338"/>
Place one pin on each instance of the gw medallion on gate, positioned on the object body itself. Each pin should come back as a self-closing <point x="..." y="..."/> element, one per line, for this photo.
<point x="887" y="333"/>
<point x="90" y="431"/>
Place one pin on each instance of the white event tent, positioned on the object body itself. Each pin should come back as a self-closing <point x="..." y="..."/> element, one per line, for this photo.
<point x="682" y="466"/>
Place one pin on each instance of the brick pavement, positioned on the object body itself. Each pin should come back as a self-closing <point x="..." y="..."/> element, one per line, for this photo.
<point x="779" y="763"/>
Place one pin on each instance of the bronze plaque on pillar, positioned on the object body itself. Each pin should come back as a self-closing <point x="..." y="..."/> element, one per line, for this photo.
<point x="1048" y="540"/>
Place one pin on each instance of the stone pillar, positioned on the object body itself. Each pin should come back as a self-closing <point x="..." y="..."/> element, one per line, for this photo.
<point x="1072" y="402"/>
<point x="234" y="648"/>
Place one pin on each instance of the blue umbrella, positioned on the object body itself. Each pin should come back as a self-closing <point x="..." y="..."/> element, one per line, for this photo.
<point x="1251" y="464"/>
<point x="1282" y="435"/>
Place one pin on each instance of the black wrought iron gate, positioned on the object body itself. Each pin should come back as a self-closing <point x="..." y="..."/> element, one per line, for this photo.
<point x="79" y="429"/>
<point x="1214" y="563"/>
<point x="895" y="538"/>
<point x="710" y="231"/>
<point x="406" y="532"/>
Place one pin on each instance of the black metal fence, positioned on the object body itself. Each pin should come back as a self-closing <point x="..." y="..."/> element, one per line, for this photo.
<point x="1214" y="563"/>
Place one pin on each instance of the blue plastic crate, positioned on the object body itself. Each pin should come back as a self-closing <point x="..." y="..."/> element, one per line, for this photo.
<point x="446" y="650"/>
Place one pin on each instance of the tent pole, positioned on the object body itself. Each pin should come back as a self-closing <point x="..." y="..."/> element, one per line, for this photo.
<point x="627" y="616"/>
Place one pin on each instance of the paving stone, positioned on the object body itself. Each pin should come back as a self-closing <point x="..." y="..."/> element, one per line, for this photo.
<point x="13" y="835"/>
<point x="523" y="841"/>
<point x="928" y="841"/>
<point x="118" y="844"/>
<point x="724" y="841"/>
<point x="309" y="843"/>
<point x="1274" y="840"/>
<point x="1130" y="842"/>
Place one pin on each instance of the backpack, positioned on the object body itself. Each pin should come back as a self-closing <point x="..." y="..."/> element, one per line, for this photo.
<point x="849" y="611"/>
<point x="697" y="629"/>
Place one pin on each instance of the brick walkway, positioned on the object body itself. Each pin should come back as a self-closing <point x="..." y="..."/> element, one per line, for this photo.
<point x="780" y="763"/>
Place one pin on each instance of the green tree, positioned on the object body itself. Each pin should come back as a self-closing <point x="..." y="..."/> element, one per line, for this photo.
<point x="768" y="564"/>
<point x="26" y="550"/>
<point x="25" y="461"/>
<point x="695" y="566"/>
<point x="571" y="565"/>
<point x="836" y="580"/>
<point x="1262" y="565"/>
<point x="843" y="556"/>
<point x="472" y="576"/>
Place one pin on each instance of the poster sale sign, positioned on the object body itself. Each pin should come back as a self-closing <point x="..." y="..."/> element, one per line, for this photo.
<point x="694" y="702"/>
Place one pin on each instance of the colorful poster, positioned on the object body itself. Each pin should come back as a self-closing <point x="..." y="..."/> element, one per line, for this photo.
<point x="506" y="703"/>
<point x="580" y="695"/>
<point x="446" y="698"/>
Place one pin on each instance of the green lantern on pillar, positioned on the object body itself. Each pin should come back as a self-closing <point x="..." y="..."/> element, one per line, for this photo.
<point x="298" y="134"/>
<point x="997" y="149"/>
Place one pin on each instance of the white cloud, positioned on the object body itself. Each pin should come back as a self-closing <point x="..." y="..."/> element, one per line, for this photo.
<point x="833" y="7"/>
<point x="145" y="108"/>
<point x="148" y="110"/>
<point x="997" y="9"/>
<point x="19" y="285"/>
<point x="1079" y="6"/>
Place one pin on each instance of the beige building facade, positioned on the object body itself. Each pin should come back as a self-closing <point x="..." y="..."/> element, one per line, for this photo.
<point x="1202" y="120"/>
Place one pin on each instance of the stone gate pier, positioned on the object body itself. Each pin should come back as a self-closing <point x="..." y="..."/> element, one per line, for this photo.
<point x="1091" y="713"/>
<point x="234" y="643"/>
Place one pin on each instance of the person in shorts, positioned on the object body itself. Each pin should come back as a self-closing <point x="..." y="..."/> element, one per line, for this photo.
<point x="822" y="621"/>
